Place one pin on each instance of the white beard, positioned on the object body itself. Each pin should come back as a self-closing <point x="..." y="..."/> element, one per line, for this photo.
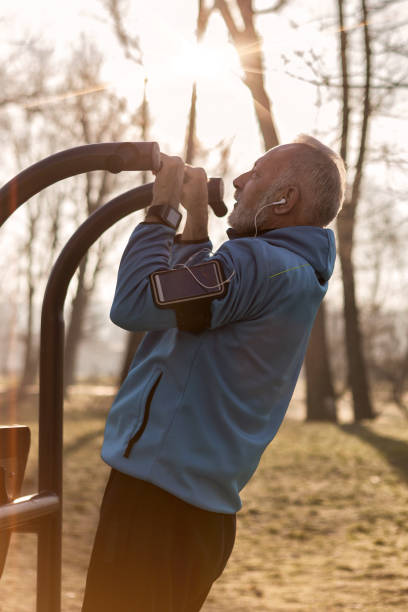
<point x="242" y="219"/>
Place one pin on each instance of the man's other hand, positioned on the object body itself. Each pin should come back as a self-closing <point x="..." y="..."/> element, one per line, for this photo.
<point x="169" y="181"/>
<point x="194" y="196"/>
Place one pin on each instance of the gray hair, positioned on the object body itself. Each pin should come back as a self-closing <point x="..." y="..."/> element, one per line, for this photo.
<point x="323" y="174"/>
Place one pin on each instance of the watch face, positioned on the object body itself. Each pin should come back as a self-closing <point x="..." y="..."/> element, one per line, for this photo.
<point x="173" y="217"/>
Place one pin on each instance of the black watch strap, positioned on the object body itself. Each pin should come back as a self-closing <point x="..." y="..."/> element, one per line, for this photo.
<point x="169" y="215"/>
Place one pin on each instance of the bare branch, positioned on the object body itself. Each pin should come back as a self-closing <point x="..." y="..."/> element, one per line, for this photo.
<point x="129" y="43"/>
<point x="272" y="9"/>
<point x="249" y="47"/>
<point x="345" y="82"/>
<point x="385" y="4"/>
<point x="366" y="109"/>
<point x="204" y="14"/>
<point x="247" y="14"/>
<point x="229" y="22"/>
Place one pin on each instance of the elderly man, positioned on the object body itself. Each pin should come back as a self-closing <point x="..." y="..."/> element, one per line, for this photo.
<point x="210" y="384"/>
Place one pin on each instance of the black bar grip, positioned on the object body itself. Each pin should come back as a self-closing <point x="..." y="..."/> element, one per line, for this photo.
<point x="111" y="156"/>
<point x="215" y="196"/>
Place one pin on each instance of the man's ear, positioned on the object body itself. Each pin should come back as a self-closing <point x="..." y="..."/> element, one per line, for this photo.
<point x="291" y="195"/>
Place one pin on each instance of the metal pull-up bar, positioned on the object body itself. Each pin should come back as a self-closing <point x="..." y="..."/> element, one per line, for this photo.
<point x="41" y="513"/>
<point x="110" y="156"/>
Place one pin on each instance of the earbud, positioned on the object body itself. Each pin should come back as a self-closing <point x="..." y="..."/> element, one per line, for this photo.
<point x="282" y="201"/>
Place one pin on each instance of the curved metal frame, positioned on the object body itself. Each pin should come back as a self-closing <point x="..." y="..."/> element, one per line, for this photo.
<point x="111" y="156"/>
<point x="51" y="380"/>
<point x="41" y="513"/>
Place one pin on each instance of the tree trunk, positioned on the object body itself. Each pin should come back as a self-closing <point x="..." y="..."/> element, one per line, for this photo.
<point x="249" y="48"/>
<point x="252" y="64"/>
<point x="320" y="394"/>
<point x="357" y="371"/>
<point x="399" y="383"/>
<point x="133" y="339"/>
<point x="191" y="130"/>
<point x="30" y="356"/>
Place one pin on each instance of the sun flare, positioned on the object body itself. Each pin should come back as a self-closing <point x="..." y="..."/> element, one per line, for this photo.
<point x="205" y="61"/>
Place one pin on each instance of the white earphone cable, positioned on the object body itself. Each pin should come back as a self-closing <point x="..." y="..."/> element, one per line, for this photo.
<point x="282" y="201"/>
<point x="184" y="265"/>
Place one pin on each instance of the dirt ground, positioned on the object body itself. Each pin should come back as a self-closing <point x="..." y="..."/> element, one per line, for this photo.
<point x="323" y="525"/>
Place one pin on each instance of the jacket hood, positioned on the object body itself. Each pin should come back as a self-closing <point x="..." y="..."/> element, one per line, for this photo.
<point x="315" y="244"/>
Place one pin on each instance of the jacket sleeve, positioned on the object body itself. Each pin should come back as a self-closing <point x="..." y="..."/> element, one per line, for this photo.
<point x="150" y="249"/>
<point x="133" y="308"/>
<point x="249" y="293"/>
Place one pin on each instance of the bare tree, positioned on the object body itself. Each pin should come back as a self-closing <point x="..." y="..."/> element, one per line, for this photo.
<point x="320" y="397"/>
<point x="87" y="119"/>
<point x="320" y="392"/>
<point x="191" y="137"/>
<point x="130" y="44"/>
<point x="21" y="146"/>
<point x="23" y="55"/>
<point x="384" y="319"/>
<point x="249" y="46"/>
<point x="365" y="85"/>
<point x="133" y="339"/>
<point x="30" y="355"/>
<point x="387" y="354"/>
<point x="357" y="371"/>
<point x="193" y="146"/>
<point x="117" y="10"/>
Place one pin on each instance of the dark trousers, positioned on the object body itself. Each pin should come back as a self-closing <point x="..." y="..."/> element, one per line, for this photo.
<point x="153" y="552"/>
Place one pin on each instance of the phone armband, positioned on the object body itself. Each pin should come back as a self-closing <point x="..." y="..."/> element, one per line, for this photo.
<point x="189" y="292"/>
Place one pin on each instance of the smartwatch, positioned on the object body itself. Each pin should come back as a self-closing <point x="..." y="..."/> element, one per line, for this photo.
<point x="169" y="215"/>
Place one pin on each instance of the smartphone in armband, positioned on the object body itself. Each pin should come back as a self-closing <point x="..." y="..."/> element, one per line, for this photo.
<point x="172" y="287"/>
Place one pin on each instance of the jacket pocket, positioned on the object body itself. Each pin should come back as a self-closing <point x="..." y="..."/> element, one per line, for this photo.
<point x="137" y="435"/>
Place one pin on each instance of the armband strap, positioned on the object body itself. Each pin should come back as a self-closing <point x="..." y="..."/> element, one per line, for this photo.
<point x="194" y="316"/>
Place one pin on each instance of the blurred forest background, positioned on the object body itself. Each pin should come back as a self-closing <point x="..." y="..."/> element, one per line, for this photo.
<point x="217" y="82"/>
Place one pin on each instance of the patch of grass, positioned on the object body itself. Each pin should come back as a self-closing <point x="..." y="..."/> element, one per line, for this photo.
<point x="323" y="524"/>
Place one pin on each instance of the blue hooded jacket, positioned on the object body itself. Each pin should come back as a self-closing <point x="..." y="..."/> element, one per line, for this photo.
<point x="199" y="409"/>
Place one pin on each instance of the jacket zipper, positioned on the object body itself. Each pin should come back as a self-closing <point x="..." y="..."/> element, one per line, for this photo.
<point x="142" y="427"/>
